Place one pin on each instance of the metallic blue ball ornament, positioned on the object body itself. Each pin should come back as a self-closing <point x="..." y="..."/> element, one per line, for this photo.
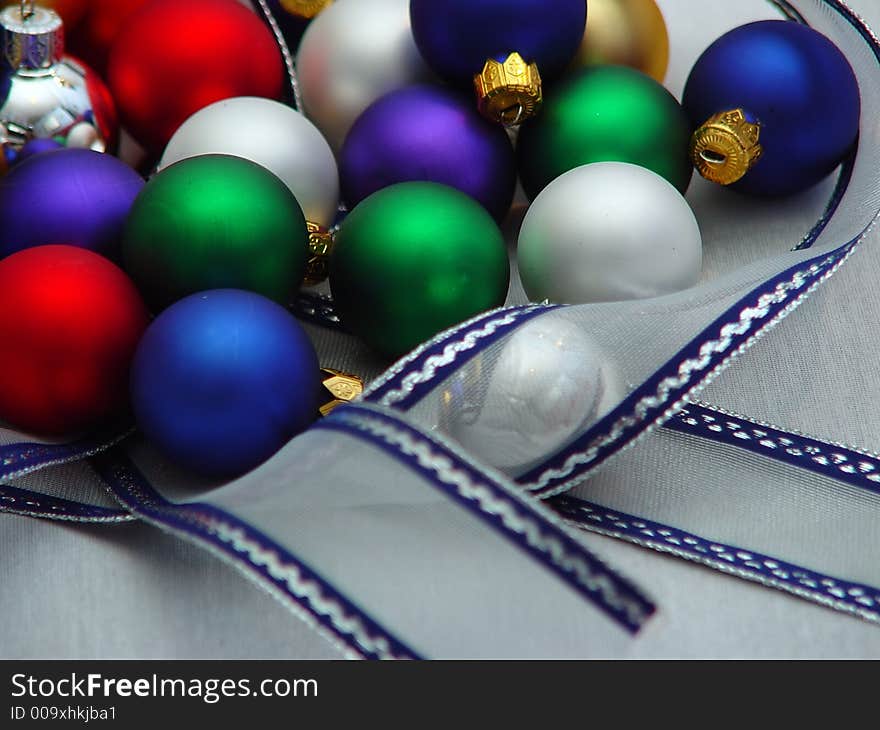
<point x="223" y="379"/>
<point x="456" y="37"/>
<point x="776" y="106"/>
<point x="433" y="134"/>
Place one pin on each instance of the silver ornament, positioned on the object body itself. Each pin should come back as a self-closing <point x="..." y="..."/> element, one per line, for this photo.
<point x="550" y="382"/>
<point x="272" y="135"/>
<point x="352" y="53"/>
<point x="47" y="94"/>
<point x="608" y="231"/>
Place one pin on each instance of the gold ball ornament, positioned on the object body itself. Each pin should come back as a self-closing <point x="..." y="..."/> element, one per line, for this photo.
<point x="625" y="33"/>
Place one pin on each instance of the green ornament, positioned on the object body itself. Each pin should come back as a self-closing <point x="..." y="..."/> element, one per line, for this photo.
<point x="214" y="222"/>
<point x="605" y="114"/>
<point x="412" y="260"/>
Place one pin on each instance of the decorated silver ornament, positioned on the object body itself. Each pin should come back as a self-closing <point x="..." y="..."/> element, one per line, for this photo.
<point x="608" y="231"/>
<point x="353" y="52"/>
<point x="45" y="94"/>
<point x="272" y="135"/>
<point x="550" y="382"/>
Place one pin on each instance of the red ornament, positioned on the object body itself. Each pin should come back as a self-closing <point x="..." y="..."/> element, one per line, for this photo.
<point x="92" y="36"/>
<point x="70" y="321"/>
<point x="174" y="57"/>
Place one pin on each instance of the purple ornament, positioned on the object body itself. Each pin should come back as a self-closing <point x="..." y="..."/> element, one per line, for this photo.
<point x="35" y="147"/>
<point x="71" y="196"/>
<point x="433" y="134"/>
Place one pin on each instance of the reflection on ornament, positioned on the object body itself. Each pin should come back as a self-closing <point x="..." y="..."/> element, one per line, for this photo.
<point x="625" y="33"/>
<point x="46" y="95"/>
<point x="509" y="91"/>
<point x="549" y="383"/>
<point x="605" y="232"/>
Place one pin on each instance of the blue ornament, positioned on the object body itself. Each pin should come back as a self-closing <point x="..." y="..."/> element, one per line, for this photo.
<point x="776" y="106"/>
<point x="457" y="37"/>
<point x="222" y="379"/>
<point x="433" y="134"/>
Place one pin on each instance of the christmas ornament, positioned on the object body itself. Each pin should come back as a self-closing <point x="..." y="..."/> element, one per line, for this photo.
<point x="606" y="232"/>
<point x="70" y="196"/>
<point x="69" y="324"/>
<point x="273" y="135"/>
<point x="605" y="113"/>
<point x="91" y="39"/>
<point x="625" y="33"/>
<point x="35" y="147"/>
<point x="223" y="379"/>
<point x="412" y="260"/>
<point x="352" y="53"/>
<point x="776" y="106"/>
<point x="428" y="133"/>
<point x="215" y="221"/>
<point x="45" y="94"/>
<point x="502" y="48"/>
<point x="174" y="57"/>
<point x="549" y="383"/>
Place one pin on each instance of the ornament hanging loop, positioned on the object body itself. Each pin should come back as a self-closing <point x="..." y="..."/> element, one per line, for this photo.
<point x="27" y="9"/>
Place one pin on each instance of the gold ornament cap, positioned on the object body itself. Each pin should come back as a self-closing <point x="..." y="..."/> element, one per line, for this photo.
<point x="508" y="92"/>
<point x="304" y="8"/>
<point x="726" y="147"/>
<point x="343" y="388"/>
<point x="320" y="246"/>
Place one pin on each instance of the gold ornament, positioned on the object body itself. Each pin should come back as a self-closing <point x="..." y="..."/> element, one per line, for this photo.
<point x="320" y="246"/>
<point x="305" y="8"/>
<point x="343" y="388"/>
<point x="726" y="147"/>
<point x="625" y="33"/>
<point x="508" y="92"/>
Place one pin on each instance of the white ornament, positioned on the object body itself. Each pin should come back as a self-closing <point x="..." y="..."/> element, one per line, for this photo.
<point x="272" y="135"/>
<point x="605" y="232"/>
<point x="550" y="382"/>
<point x="352" y="53"/>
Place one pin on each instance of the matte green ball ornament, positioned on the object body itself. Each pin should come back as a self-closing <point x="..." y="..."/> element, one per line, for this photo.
<point x="215" y="222"/>
<point x="412" y="260"/>
<point x="605" y="114"/>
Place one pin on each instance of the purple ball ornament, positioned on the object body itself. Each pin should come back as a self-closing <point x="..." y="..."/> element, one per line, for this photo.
<point x="431" y="134"/>
<point x="35" y="147"/>
<point x="71" y="196"/>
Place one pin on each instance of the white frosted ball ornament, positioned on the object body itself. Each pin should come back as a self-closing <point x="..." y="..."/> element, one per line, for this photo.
<point x="272" y="135"/>
<point x="605" y="232"/>
<point x="550" y="382"/>
<point x="352" y="53"/>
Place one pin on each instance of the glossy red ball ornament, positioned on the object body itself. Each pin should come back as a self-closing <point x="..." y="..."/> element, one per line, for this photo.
<point x="174" y="57"/>
<point x="70" y="321"/>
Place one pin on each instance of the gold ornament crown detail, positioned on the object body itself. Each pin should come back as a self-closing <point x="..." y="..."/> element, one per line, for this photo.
<point x="726" y="147"/>
<point x="320" y="246"/>
<point x="508" y="92"/>
<point x="305" y="8"/>
<point x="343" y="388"/>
